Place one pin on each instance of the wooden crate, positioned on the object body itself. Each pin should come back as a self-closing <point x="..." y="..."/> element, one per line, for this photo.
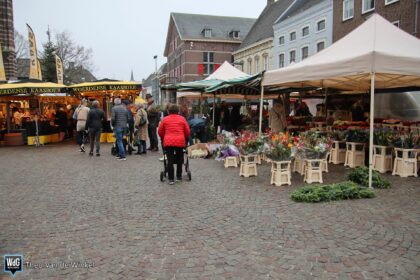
<point x="338" y="152"/>
<point x="355" y="154"/>
<point x="313" y="171"/>
<point x="405" y="162"/>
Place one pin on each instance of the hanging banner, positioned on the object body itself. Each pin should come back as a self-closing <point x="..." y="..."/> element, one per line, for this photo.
<point x="39" y="70"/>
<point x="2" y="73"/>
<point x="59" y="69"/>
<point x="33" y="59"/>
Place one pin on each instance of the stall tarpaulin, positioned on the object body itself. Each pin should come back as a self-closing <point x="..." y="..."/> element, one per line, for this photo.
<point x="377" y="54"/>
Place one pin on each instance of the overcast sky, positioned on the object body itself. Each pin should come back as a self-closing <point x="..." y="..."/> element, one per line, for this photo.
<point x="123" y="34"/>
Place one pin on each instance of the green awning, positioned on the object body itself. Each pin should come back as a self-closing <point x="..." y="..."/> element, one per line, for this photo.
<point x="197" y="85"/>
<point x="250" y="85"/>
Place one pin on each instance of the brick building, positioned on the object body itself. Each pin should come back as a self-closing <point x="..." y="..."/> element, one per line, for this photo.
<point x="349" y="14"/>
<point x="7" y="38"/>
<point x="196" y="45"/>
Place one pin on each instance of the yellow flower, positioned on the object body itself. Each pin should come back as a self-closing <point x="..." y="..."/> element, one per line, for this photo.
<point x="290" y="145"/>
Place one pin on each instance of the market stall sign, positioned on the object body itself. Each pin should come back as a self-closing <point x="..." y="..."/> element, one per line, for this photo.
<point x="30" y="90"/>
<point x="104" y="88"/>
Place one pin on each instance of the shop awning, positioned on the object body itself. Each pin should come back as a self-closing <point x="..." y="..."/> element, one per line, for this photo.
<point x="30" y="87"/>
<point x="248" y="85"/>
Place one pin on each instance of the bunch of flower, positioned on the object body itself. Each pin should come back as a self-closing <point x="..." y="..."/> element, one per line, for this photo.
<point x="383" y="136"/>
<point x="248" y="142"/>
<point x="338" y="135"/>
<point x="313" y="145"/>
<point x="406" y="141"/>
<point x="357" y="135"/>
<point x="280" y="147"/>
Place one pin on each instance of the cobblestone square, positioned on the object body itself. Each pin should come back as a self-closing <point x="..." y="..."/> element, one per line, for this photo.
<point x="75" y="217"/>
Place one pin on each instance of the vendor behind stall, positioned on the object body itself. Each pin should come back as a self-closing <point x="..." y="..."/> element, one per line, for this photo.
<point x="197" y="127"/>
<point x="278" y="122"/>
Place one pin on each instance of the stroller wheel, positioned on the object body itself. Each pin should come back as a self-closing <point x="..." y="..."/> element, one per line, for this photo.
<point x="162" y="176"/>
<point x="189" y="175"/>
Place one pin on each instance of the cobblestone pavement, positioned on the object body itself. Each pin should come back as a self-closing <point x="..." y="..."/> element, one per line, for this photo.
<point x="58" y="206"/>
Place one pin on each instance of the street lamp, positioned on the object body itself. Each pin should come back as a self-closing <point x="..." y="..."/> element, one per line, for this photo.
<point x="157" y="80"/>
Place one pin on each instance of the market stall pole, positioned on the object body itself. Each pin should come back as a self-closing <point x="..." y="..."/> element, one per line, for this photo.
<point x="261" y="110"/>
<point x="371" y="129"/>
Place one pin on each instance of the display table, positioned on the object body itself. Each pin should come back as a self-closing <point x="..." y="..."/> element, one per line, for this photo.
<point x="14" y="139"/>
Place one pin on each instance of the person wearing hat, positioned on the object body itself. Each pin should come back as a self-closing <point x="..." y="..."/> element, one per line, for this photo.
<point x="153" y="118"/>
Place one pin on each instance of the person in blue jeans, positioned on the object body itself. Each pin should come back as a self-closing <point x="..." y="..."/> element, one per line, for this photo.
<point x="119" y="120"/>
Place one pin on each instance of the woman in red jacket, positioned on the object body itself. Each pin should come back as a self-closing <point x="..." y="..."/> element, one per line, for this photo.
<point x="174" y="131"/>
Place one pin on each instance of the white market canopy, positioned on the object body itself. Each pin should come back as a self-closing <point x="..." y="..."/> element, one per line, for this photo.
<point x="376" y="46"/>
<point x="227" y="71"/>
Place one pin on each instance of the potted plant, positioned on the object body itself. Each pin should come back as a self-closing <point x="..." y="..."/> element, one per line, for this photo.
<point x="382" y="149"/>
<point x="405" y="163"/>
<point x="356" y="140"/>
<point x="279" y="151"/>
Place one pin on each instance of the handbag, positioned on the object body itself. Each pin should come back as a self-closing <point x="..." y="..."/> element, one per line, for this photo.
<point x="142" y="120"/>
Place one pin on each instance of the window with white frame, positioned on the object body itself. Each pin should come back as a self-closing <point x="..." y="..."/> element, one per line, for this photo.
<point x="257" y="64"/>
<point x="348" y="9"/>
<point x="320" y="25"/>
<point x="305" y="31"/>
<point x="281" y="60"/>
<point x="249" y="66"/>
<point x="265" y="57"/>
<point x="320" y="46"/>
<point x="368" y="5"/>
<point x="387" y="2"/>
<point x="305" y="52"/>
<point x="292" y="36"/>
<point x="207" y="32"/>
<point x="208" y="59"/>
<point x="292" y="56"/>
<point x="281" y="40"/>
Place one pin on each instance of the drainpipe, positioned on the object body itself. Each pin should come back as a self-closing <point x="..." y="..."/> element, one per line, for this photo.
<point x="416" y="17"/>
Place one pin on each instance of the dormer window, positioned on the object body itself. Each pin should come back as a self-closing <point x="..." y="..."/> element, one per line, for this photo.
<point x="207" y="32"/>
<point x="234" y="34"/>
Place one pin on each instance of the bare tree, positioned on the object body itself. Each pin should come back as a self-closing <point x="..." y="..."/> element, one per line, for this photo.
<point x="72" y="54"/>
<point x="21" y="46"/>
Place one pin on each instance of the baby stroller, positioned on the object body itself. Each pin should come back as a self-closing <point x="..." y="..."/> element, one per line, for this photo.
<point x="127" y="143"/>
<point x="164" y="173"/>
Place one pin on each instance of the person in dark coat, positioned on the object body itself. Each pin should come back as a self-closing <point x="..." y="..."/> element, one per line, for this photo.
<point x="174" y="131"/>
<point x="154" y="118"/>
<point x="94" y="124"/>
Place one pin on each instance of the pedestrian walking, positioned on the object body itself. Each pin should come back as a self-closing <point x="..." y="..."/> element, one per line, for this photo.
<point x="119" y="121"/>
<point x="153" y="118"/>
<point x="141" y="124"/>
<point x="174" y="131"/>
<point x="94" y="123"/>
<point x="81" y="114"/>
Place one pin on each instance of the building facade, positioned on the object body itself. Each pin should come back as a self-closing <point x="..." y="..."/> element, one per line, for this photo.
<point x="255" y="53"/>
<point x="305" y="29"/>
<point x="7" y="38"/>
<point x="349" y="14"/>
<point x="197" y="45"/>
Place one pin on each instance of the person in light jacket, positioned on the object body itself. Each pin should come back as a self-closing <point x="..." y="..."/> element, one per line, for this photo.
<point x="141" y="124"/>
<point x="81" y="116"/>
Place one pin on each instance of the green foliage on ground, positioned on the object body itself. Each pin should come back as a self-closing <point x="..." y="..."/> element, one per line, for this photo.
<point x="339" y="191"/>
<point x="360" y="175"/>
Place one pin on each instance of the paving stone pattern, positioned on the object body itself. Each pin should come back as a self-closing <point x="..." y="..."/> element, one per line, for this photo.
<point x="58" y="206"/>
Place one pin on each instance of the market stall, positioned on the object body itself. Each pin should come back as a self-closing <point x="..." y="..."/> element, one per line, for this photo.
<point x="105" y="91"/>
<point x="28" y="112"/>
<point x="362" y="61"/>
